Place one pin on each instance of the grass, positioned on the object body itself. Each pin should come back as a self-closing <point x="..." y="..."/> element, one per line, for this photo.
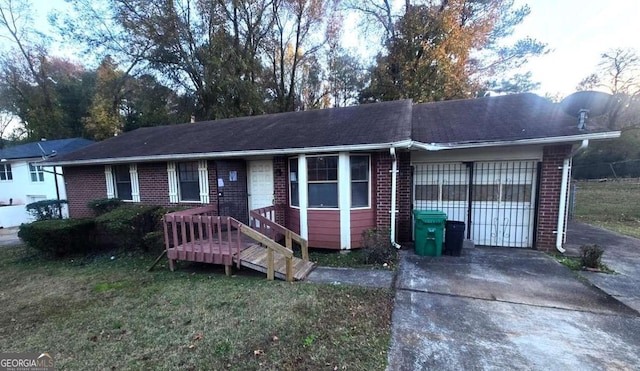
<point x="345" y="259"/>
<point x="575" y="263"/>
<point x="102" y="313"/>
<point x="611" y="205"/>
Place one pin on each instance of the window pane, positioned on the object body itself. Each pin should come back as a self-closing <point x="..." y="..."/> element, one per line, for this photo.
<point x="323" y="195"/>
<point x="427" y="192"/>
<point x="189" y="183"/>
<point x="293" y="182"/>
<point x="295" y="197"/>
<point x="188" y="171"/>
<point x="359" y="168"/>
<point x="322" y="168"/>
<point x="122" y="179"/>
<point x="516" y="193"/>
<point x="359" y="194"/>
<point x="189" y="191"/>
<point x="124" y="191"/>
<point x="122" y="173"/>
<point x="34" y="177"/>
<point x="5" y="172"/>
<point x="486" y="192"/>
<point x="41" y="176"/>
<point x="454" y="192"/>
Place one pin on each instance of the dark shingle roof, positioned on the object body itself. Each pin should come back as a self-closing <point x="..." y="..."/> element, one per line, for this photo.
<point x="501" y="118"/>
<point x="59" y="147"/>
<point x="492" y="119"/>
<point x="365" y="124"/>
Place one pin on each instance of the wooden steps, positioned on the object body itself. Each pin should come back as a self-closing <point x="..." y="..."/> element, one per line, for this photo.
<point x="255" y="257"/>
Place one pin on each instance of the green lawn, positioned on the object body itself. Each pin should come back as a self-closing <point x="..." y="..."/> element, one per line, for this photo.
<point x="612" y="205"/>
<point x="102" y="313"/>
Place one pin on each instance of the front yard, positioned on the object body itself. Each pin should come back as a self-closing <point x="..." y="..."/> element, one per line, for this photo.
<point x="102" y="313"/>
<point x="614" y="205"/>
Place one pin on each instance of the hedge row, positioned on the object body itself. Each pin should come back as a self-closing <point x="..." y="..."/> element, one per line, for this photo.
<point x="59" y="236"/>
<point x="124" y="227"/>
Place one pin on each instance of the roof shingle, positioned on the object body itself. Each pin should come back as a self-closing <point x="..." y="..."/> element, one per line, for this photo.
<point x="366" y="124"/>
<point x="57" y="147"/>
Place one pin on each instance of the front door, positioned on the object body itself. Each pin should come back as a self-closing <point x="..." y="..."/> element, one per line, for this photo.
<point x="260" y="184"/>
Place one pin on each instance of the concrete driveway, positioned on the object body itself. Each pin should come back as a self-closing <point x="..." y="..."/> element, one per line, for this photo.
<point x="506" y="309"/>
<point x="621" y="253"/>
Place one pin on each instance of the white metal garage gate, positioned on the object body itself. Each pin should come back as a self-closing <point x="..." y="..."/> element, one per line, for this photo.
<point x="496" y="200"/>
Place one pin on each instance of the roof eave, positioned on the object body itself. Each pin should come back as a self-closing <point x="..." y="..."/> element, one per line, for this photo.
<point x="517" y="142"/>
<point x="250" y="153"/>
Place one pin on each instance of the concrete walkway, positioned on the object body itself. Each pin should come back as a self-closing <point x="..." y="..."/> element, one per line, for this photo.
<point x="621" y="253"/>
<point x="351" y="276"/>
<point x="9" y="236"/>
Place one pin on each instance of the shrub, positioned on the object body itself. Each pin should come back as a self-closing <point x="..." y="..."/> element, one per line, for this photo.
<point x="126" y="226"/>
<point x="104" y="205"/>
<point x="154" y="241"/>
<point x="46" y="209"/>
<point x="377" y="247"/>
<point x="59" y="236"/>
<point x="591" y="255"/>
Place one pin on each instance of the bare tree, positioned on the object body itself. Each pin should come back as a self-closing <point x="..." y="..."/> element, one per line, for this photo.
<point x="618" y="72"/>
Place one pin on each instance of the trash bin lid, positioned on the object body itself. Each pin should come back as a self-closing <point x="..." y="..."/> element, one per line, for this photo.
<point x="430" y="216"/>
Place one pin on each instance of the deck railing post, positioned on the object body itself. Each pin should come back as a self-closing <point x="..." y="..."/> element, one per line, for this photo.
<point x="270" y="264"/>
<point x="289" y="262"/>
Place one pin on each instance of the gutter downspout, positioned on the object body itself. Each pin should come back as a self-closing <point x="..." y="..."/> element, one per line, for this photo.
<point x="394" y="187"/>
<point x="562" y="213"/>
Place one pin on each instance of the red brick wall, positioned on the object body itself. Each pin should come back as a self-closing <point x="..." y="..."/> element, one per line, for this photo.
<point x="382" y="188"/>
<point x="404" y="197"/>
<point x="281" y="188"/>
<point x="154" y="183"/>
<point x="549" y="195"/>
<point x="84" y="184"/>
<point x="382" y="192"/>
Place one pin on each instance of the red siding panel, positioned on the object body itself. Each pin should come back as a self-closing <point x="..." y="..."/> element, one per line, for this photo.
<point x="324" y="228"/>
<point x="361" y="220"/>
<point x="293" y="219"/>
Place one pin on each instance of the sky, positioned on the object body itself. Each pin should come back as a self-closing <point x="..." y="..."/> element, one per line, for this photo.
<point x="577" y="33"/>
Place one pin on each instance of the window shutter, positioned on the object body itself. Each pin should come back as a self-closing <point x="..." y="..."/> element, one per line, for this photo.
<point x="135" y="185"/>
<point x="173" y="182"/>
<point x="108" y="175"/>
<point x="203" y="177"/>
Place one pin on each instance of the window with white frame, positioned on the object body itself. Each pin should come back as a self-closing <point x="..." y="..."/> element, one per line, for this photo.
<point x="122" y="182"/>
<point x="5" y="172"/>
<point x="359" y="180"/>
<point x="293" y="182"/>
<point x="322" y="176"/>
<point x="188" y="182"/>
<point x="37" y="175"/>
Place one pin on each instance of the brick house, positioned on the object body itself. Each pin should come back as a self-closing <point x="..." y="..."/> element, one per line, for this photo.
<point x="499" y="164"/>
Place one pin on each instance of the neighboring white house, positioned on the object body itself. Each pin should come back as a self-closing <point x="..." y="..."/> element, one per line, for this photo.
<point x="23" y="181"/>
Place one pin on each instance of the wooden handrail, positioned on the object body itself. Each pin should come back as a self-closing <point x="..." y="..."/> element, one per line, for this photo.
<point x="266" y="223"/>
<point x="209" y="225"/>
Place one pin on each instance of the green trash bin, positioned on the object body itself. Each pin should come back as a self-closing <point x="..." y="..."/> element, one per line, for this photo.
<point x="429" y="232"/>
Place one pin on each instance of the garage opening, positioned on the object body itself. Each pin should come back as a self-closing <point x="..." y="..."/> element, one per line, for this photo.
<point x="496" y="200"/>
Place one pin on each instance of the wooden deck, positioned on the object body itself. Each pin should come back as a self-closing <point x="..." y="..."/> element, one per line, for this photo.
<point x="200" y="235"/>
<point x="255" y="257"/>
